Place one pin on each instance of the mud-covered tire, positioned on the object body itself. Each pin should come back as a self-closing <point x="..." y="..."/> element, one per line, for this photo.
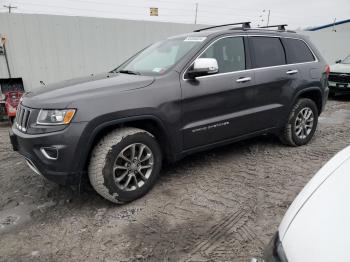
<point x="103" y="160"/>
<point x="288" y="135"/>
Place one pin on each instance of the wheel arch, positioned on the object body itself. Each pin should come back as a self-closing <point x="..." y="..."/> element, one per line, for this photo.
<point x="148" y="123"/>
<point x="313" y="93"/>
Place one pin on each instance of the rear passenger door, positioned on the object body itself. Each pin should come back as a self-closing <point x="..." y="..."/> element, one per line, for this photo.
<point x="300" y="56"/>
<point x="274" y="78"/>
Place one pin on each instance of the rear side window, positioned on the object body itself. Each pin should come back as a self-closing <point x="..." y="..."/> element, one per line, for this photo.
<point x="267" y="51"/>
<point x="297" y="51"/>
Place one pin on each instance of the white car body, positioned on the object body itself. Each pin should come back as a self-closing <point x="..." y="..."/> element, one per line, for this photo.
<point x="316" y="226"/>
<point x="341" y="68"/>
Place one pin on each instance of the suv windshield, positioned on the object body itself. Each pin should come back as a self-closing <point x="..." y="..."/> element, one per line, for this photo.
<point x="159" y="57"/>
<point x="346" y="60"/>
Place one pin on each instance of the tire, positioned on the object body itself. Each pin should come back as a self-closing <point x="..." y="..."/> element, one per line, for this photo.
<point x="291" y="134"/>
<point x="108" y="164"/>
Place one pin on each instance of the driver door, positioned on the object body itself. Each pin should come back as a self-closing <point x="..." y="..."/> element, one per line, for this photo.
<point x="219" y="106"/>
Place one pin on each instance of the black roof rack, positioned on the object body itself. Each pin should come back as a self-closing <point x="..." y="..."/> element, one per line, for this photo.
<point x="279" y="27"/>
<point x="245" y="25"/>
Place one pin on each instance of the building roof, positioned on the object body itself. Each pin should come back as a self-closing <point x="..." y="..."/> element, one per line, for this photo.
<point x="328" y="25"/>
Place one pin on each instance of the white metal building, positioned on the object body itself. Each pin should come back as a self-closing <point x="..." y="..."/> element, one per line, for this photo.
<point x="52" y="48"/>
<point x="333" y="40"/>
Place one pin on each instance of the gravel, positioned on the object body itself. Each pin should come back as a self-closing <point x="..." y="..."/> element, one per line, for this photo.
<point x="220" y="205"/>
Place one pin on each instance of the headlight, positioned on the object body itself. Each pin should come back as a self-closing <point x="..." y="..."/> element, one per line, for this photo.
<point x="55" y="116"/>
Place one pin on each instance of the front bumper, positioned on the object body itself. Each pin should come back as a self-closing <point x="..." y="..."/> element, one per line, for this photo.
<point x="63" y="169"/>
<point x="336" y="87"/>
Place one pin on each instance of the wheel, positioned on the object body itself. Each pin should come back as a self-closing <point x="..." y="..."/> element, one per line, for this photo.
<point x="302" y="123"/>
<point x="125" y="164"/>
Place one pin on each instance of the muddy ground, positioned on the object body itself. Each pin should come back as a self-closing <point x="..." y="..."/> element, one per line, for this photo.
<point x="221" y="205"/>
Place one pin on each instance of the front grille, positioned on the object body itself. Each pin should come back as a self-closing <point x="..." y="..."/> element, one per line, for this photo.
<point x="22" y="118"/>
<point x="339" y="77"/>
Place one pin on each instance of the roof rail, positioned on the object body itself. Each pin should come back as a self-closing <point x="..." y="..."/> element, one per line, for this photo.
<point x="245" y="25"/>
<point x="279" y="27"/>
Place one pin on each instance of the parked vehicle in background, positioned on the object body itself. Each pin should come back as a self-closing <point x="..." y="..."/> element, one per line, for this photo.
<point x="316" y="225"/>
<point x="176" y="97"/>
<point x="339" y="77"/>
<point x="12" y="99"/>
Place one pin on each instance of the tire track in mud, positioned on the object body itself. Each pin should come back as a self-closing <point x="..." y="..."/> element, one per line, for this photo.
<point x="227" y="228"/>
<point x="221" y="205"/>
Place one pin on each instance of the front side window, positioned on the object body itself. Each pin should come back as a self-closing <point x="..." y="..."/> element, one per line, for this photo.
<point x="228" y="52"/>
<point x="267" y="51"/>
<point x="297" y="51"/>
<point x="161" y="56"/>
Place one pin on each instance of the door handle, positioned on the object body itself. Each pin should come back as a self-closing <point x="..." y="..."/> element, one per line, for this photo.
<point x="243" y="79"/>
<point x="292" y="72"/>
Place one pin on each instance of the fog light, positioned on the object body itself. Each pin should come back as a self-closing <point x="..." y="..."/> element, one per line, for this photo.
<point x="49" y="152"/>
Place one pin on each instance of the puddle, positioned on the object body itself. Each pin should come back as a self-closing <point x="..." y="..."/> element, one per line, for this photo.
<point x="336" y="118"/>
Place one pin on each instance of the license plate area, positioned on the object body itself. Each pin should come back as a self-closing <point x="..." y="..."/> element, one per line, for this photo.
<point x="342" y="85"/>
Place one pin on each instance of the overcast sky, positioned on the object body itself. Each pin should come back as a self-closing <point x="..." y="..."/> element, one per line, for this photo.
<point x="296" y="13"/>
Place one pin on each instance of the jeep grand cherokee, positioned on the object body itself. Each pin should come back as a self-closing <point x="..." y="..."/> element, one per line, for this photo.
<point x="178" y="96"/>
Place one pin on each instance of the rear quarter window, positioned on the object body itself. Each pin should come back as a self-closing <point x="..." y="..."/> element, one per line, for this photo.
<point x="297" y="51"/>
<point x="267" y="51"/>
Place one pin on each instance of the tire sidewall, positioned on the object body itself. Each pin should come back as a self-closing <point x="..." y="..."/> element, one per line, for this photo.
<point x="304" y="103"/>
<point x="108" y="176"/>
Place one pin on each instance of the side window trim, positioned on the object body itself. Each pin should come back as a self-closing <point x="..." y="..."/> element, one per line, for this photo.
<point x="282" y="37"/>
<point x="247" y="45"/>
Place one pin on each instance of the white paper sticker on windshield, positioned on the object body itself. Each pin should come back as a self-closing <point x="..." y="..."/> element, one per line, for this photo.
<point x="157" y="69"/>
<point x="195" y="38"/>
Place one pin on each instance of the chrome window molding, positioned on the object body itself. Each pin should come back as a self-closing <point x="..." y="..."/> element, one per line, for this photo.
<point x="251" y="69"/>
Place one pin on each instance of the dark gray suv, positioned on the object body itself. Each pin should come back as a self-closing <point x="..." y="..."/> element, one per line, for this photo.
<point x="179" y="96"/>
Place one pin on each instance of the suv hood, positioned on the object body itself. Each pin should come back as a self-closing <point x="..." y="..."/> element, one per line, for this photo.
<point x="340" y="68"/>
<point x="60" y="95"/>
<point x="318" y="220"/>
<point x="328" y="178"/>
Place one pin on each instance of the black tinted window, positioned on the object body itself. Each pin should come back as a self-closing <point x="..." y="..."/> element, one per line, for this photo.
<point x="229" y="53"/>
<point x="267" y="51"/>
<point x="297" y="51"/>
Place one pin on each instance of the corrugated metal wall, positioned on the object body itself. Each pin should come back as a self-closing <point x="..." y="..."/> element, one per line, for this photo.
<point x="52" y="48"/>
<point x="333" y="45"/>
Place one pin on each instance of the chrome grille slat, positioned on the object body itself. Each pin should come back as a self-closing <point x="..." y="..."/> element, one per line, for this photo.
<point x="22" y="118"/>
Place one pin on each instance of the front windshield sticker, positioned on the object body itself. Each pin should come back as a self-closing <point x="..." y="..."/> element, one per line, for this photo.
<point x="195" y="39"/>
<point x="157" y="69"/>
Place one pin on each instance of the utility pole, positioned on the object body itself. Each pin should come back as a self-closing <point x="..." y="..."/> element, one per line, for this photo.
<point x="268" y="18"/>
<point x="195" y="18"/>
<point x="10" y="7"/>
<point x="334" y="30"/>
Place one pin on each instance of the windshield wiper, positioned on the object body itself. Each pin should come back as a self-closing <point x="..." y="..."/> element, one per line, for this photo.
<point x="130" y="72"/>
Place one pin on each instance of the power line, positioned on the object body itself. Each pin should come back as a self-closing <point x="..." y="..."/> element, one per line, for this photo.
<point x="10" y="7"/>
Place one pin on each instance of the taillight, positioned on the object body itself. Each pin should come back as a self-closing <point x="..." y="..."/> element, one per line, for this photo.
<point x="327" y="70"/>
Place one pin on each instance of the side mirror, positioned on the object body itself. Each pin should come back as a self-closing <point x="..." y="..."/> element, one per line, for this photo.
<point x="202" y="67"/>
<point x="338" y="61"/>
